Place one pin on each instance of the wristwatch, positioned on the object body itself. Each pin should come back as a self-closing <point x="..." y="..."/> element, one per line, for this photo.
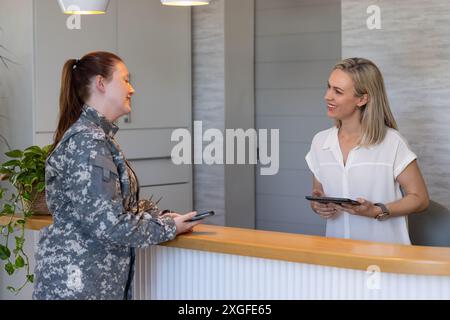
<point x="385" y="214"/>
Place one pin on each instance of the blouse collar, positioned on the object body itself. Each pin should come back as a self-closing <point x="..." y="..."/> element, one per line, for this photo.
<point x="332" y="139"/>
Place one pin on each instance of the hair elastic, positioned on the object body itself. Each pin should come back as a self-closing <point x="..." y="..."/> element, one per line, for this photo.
<point x="75" y="65"/>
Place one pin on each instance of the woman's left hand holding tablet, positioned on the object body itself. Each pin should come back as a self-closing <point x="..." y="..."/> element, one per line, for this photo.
<point x="182" y="222"/>
<point x="365" y="209"/>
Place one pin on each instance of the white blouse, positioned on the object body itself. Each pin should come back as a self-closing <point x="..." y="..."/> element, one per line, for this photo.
<point x="369" y="173"/>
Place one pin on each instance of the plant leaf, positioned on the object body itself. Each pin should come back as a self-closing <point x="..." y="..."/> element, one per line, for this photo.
<point x="9" y="267"/>
<point x="14" y="154"/>
<point x="33" y="150"/>
<point x="47" y="148"/>
<point x="40" y="187"/>
<point x="27" y="213"/>
<point x="11" y="163"/>
<point x="30" y="278"/>
<point x="19" y="242"/>
<point x="11" y="289"/>
<point x="34" y="179"/>
<point x="8" y="209"/>
<point x="26" y="195"/>
<point x="4" y="252"/>
<point x="6" y="171"/>
<point x="20" y="262"/>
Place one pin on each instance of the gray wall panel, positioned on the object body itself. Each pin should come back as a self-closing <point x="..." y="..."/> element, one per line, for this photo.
<point x="290" y="102"/>
<point x="155" y="43"/>
<point x="174" y="197"/>
<point x="160" y="171"/>
<point x="295" y="128"/>
<point x="296" y="75"/>
<point x="298" y="19"/>
<point x="239" y="107"/>
<point x="305" y="46"/>
<point x="223" y="98"/>
<point x="208" y="56"/>
<point x="136" y="144"/>
<point x="292" y="155"/>
<point x="278" y="4"/>
<point x="287" y="182"/>
<point x="310" y="229"/>
<point x="297" y="44"/>
<point x="269" y="209"/>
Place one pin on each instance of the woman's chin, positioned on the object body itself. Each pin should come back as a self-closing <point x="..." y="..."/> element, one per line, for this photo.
<point x="123" y="112"/>
<point x="332" y="115"/>
<point x="126" y="109"/>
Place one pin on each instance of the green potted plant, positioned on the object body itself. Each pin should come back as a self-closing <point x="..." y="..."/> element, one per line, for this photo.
<point x="25" y="173"/>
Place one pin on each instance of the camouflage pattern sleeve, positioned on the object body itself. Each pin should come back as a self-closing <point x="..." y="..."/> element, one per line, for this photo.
<point x="97" y="194"/>
<point x="149" y="206"/>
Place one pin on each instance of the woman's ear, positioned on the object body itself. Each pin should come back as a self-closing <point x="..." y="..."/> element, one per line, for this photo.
<point x="363" y="100"/>
<point x="99" y="83"/>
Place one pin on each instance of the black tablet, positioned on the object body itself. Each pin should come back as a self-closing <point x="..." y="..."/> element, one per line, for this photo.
<point x="200" y="216"/>
<point x="332" y="200"/>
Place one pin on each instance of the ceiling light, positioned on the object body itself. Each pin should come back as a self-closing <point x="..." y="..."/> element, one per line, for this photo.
<point x="184" y="2"/>
<point x="83" y="6"/>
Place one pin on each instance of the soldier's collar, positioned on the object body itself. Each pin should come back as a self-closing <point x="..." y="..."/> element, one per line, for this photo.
<point x="100" y="120"/>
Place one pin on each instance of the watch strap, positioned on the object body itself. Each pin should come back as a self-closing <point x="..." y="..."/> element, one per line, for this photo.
<point x="384" y="212"/>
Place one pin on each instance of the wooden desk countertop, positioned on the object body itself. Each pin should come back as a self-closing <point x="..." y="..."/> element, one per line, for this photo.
<point x="334" y="252"/>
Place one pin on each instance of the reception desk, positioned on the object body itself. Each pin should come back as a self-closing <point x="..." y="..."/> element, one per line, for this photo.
<point x="230" y="263"/>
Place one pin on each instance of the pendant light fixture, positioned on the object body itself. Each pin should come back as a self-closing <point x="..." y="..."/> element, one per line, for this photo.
<point x="185" y="3"/>
<point x="83" y="6"/>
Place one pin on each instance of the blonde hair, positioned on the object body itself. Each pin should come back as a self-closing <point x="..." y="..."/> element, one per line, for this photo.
<point x="376" y="115"/>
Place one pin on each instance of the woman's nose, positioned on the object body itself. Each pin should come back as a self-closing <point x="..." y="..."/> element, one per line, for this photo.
<point x="329" y="94"/>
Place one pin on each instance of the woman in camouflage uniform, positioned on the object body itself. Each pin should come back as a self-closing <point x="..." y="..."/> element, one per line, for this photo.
<point x="93" y="193"/>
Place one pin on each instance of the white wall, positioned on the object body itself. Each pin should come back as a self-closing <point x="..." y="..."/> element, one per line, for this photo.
<point x="15" y="81"/>
<point x="15" y="104"/>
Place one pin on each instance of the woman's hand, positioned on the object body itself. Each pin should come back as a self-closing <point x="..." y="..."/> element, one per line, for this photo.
<point x="181" y="221"/>
<point x="365" y="209"/>
<point x="173" y="215"/>
<point x="326" y="211"/>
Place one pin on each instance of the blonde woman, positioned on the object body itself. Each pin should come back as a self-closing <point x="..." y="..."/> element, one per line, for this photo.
<point x="364" y="157"/>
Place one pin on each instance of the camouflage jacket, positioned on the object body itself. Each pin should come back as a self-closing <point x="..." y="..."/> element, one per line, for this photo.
<point x="87" y="253"/>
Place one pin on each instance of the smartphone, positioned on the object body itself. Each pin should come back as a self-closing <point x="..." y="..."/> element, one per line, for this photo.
<point x="202" y="215"/>
<point x="333" y="200"/>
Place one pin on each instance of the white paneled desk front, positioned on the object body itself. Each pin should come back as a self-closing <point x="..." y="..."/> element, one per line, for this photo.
<point x="230" y="263"/>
